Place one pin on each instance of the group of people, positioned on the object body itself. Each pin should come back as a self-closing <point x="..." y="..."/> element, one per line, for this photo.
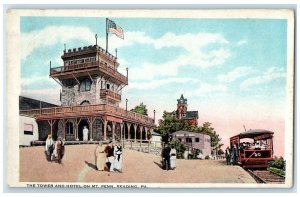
<point x="54" y="150"/>
<point x="108" y="157"/>
<point x="231" y="155"/>
<point x="168" y="157"/>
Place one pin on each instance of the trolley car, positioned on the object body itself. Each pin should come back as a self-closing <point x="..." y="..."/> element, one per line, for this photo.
<point x="255" y="148"/>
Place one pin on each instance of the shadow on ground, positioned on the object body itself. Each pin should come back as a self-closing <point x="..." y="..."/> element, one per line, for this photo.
<point x="93" y="166"/>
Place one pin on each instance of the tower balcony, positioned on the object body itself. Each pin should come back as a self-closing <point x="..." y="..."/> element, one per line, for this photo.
<point x="91" y="68"/>
<point x="110" y="95"/>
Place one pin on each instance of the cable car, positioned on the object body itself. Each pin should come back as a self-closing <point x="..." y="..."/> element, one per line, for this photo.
<point x="255" y="148"/>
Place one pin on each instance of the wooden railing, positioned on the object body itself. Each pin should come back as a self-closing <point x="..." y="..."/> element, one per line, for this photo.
<point x="73" y="110"/>
<point x="96" y="64"/>
<point x="107" y="93"/>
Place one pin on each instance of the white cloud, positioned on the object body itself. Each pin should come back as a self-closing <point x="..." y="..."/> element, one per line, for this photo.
<point x="192" y="43"/>
<point x="206" y="89"/>
<point x="194" y="52"/>
<point x="197" y="59"/>
<point x="52" y="35"/>
<point x="242" y="42"/>
<point x="37" y="79"/>
<point x="234" y="74"/>
<point x="270" y="75"/>
<point x="160" y="82"/>
<point x="189" y="42"/>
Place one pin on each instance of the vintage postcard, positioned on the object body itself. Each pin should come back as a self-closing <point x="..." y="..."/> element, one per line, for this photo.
<point x="150" y="98"/>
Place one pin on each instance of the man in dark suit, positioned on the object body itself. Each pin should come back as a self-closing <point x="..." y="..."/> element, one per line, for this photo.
<point x="166" y="156"/>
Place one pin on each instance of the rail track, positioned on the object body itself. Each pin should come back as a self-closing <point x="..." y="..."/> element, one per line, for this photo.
<point x="265" y="176"/>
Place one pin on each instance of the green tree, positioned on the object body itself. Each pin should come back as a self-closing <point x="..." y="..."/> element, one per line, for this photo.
<point x="141" y="109"/>
<point x="215" y="138"/>
<point x="169" y="125"/>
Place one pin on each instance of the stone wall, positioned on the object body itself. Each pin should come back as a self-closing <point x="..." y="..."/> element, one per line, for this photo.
<point x="71" y="94"/>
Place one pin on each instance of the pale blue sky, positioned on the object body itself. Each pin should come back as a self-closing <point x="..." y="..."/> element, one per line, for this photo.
<point x="225" y="67"/>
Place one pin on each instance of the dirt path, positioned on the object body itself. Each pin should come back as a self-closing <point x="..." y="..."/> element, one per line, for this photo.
<point x="78" y="166"/>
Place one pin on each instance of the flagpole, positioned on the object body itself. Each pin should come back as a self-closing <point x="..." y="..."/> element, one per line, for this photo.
<point x="106" y="36"/>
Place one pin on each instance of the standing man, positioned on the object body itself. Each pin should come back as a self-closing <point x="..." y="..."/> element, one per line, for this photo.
<point x="234" y="153"/>
<point x="85" y="133"/>
<point x="227" y="155"/>
<point x="110" y="157"/>
<point x="166" y="156"/>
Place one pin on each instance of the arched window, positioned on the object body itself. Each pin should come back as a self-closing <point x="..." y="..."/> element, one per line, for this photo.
<point x="85" y="85"/>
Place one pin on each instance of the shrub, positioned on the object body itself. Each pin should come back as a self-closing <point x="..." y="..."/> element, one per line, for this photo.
<point x="195" y="153"/>
<point x="207" y="157"/>
<point x="278" y="163"/>
<point x="277" y="171"/>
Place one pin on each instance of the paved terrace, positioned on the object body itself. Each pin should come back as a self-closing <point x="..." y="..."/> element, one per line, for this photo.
<point x="79" y="166"/>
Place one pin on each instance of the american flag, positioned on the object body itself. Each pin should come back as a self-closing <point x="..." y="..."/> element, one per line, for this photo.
<point x="113" y="28"/>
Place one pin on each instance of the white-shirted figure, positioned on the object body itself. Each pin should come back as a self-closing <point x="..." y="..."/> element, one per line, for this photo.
<point x="49" y="146"/>
<point x="173" y="158"/>
<point x="85" y="133"/>
<point x="118" y="157"/>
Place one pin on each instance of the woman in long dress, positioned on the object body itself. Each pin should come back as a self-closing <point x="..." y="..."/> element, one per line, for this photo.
<point x="118" y="157"/>
<point x="173" y="158"/>
<point x="100" y="157"/>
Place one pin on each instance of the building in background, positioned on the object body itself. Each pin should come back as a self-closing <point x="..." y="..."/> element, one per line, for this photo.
<point x="155" y="139"/>
<point x="181" y="113"/>
<point x="198" y="141"/>
<point x="28" y="127"/>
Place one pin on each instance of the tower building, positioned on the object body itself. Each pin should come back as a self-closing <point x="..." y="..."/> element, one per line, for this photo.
<point x="91" y="91"/>
<point x="181" y="113"/>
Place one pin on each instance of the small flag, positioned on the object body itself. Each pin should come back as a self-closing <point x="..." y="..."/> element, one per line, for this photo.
<point x="113" y="28"/>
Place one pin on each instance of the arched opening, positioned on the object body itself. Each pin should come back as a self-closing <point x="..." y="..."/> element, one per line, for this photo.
<point x="132" y="132"/>
<point x="125" y="134"/>
<point x="85" y="102"/>
<point x="109" y="131"/>
<point x="118" y="132"/>
<point x="144" y="134"/>
<point x="138" y="134"/>
<point x="83" y="123"/>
